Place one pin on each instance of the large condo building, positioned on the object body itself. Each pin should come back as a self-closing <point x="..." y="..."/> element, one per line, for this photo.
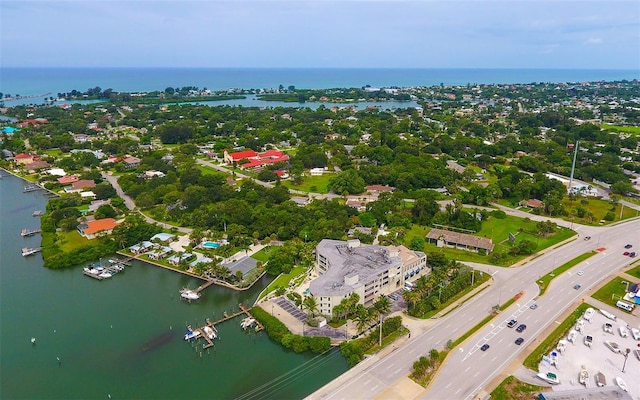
<point x="368" y="270"/>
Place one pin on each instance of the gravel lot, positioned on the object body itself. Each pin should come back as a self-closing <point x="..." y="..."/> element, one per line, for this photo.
<point x="598" y="357"/>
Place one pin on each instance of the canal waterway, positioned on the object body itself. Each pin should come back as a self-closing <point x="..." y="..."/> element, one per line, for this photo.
<point x="122" y="338"/>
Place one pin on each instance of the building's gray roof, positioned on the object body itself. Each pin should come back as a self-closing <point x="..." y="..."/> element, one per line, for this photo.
<point x="245" y="264"/>
<point x="596" y="393"/>
<point x="367" y="261"/>
<point x="163" y="236"/>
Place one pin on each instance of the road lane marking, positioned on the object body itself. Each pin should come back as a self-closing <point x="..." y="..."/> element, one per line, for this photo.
<point x="374" y="388"/>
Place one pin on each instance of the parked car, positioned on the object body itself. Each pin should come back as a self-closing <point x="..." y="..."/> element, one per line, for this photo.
<point x="484" y="347"/>
<point x="521" y="327"/>
<point x="512" y="323"/>
<point x="628" y="246"/>
<point x="632" y="254"/>
<point x="626" y="253"/>
<point x="519" y="341"/>
<point x="393" y="296"/>
<point x="576" y="287"/>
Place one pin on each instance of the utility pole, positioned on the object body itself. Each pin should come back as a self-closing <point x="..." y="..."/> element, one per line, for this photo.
<point x="573" y="166"/>
<point x="380" y="336"/>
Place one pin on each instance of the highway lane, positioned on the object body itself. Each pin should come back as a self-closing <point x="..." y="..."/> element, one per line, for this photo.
<point x="378" y="376"/>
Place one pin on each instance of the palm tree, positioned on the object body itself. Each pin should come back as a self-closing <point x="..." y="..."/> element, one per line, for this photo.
<point x="382" y="306"/>
<point x="363" y="317"/>
<point x="311" y="304"/>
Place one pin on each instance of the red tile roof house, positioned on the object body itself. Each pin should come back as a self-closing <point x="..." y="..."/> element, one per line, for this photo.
<point x="68" y="179"/>
<point x="36" y="165"/>
<point x="26" y="158"/>
<point x="131" y="162"/>
<point x="255" y="159"/>
<point x="82" y="184"/>
<point x="91" y="229"/>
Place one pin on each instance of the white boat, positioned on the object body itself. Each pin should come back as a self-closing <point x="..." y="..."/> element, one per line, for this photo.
<point x="607" y="327"/>
<point x="588" y="340"/>
<point x="580" y="325"/>
<point x="588" y="314"/>
<point x="572" y="336"/>
<point x="189" y="294"/>
<point x="191" y="334"/>
<point x="209" y="332"/>
<point x="600" y="380"/>
<point x="105" y="274"/>
<point x="621" y="384"/>
<point x="623" y="331"/>
<point x="549" y="377"/>
<point x="583" y="378"/>
<point x="608" y="314"/>
<point x="247" y="322"/>
<point x="613" y="346"/>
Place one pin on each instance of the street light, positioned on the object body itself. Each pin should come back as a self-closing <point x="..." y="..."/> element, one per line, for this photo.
<point x="626" y="355"/>
<point x="272" y="310"/>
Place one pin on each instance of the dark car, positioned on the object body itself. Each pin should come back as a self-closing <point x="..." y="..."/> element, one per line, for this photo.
<point x="628" y="246"/>
<point x="626" y="253"/>
<point x="519" y="341"/>
<point x="512" y="323"/>
<point x="576" y="287"/>
<point x="632" y="254"/>
<point x="587" y="237"/>
<point x="484" y="347"/>
<point x="393" y="296"/>
<point x="521" y="327"/>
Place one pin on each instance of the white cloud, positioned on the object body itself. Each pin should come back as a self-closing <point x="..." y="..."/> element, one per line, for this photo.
<point x="594" y="41"/>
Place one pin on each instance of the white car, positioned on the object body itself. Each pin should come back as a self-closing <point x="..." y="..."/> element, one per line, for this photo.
<point x="580" y="273"/>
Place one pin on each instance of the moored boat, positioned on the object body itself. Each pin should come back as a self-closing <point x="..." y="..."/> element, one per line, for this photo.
<point x="189" y="294"/>
<point x="209" y="332"/>
<point x="191" y="334"/>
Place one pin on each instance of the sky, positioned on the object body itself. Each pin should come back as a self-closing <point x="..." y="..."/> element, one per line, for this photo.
<point x="571" y="34"/>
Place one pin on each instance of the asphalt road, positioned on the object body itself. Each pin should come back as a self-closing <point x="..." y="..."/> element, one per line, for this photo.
<point x="468" y="369"/>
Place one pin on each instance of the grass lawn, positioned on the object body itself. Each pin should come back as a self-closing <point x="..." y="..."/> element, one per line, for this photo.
<point x="611" y="292"/>
<point x="545" y="280"/>
<point x="617" y="128"/>
<point x="53" y="152"/>
<point x="207" y="170"/>
<point x="599" y="208"/>
<point x="262" y="255"/>
<point x="634" y="272"/>
<point x="71" y="240"/>
<point x="316" y="184"/>
<point x="513" y="389"/>
<point x="550" y="342"/>
<point x="283" y="280"/>
<point x="478" y="280"/>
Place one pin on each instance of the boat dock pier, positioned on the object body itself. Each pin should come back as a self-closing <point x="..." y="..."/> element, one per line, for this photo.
<point x="28" y="251"/>
<point x="243" y="310"/>
<point x="211" y="326"/>
<point x="29" y="232"/>
<point x="38" y="213"/>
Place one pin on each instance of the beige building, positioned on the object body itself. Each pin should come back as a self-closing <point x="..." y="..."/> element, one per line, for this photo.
<point x="370" y="271"/>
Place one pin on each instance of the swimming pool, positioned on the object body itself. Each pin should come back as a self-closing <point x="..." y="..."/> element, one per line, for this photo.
<point x="211" y="245"/>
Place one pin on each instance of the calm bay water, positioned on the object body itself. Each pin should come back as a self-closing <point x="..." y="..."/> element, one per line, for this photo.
<point x="38" y="81"/>
<point x="122" y="337"/>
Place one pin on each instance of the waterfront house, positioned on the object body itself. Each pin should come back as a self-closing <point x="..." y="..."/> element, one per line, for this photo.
<point x="162" y="237"/>
<point x="141" y="248"/>
<point x="176" y="258"/>
<point x="91" y="229"/>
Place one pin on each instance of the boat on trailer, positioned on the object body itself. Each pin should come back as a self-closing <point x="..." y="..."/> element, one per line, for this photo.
<point x="549" y="377"/>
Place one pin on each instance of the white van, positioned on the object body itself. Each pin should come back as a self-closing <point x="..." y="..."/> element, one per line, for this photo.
<point x="625" y="305"/>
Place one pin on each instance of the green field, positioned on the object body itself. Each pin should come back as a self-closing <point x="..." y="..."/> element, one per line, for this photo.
<point x="315" y="184"/>
<point x="283" y="280"/>
<point x="617" y="128"/>
<point x="634" y="272"/>
<point x="262" y="255"/>
<point x="71" y="240"/>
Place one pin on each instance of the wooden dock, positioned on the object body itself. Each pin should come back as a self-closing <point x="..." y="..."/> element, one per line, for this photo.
<point x="29" y="232"/>
<point x="27" y="251"/>
<point x="243" y="311"/>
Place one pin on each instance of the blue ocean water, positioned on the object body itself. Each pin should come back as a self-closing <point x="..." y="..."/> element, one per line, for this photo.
<point x="38" y="81"/>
